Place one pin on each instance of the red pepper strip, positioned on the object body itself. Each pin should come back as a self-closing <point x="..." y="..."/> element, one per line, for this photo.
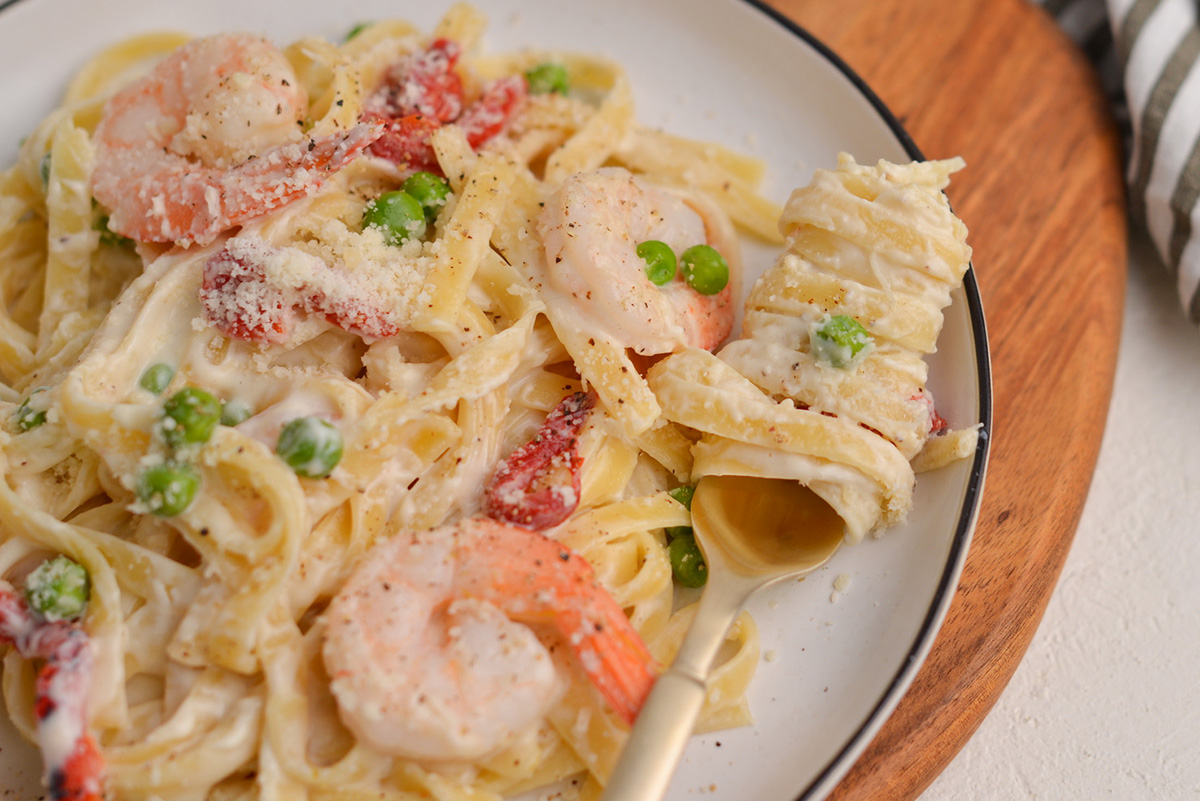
<point x="355" y="316"/>
<point x="406" y="141"/>
<point x="537" y="486"/>
<point x="424" y="84"/>
<point x="937" y="423"/>
<point x="62" y="688"/>
<point x="422" y="93"/>
<point x="488" y="115"/>
<point x="418" y="95"/>
<point x="241" y="303"/>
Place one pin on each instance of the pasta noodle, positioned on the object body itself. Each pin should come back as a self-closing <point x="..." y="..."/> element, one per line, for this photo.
<point x="194" y="234"/>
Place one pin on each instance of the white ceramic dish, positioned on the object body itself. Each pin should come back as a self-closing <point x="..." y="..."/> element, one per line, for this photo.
<point x="835" y="663"/>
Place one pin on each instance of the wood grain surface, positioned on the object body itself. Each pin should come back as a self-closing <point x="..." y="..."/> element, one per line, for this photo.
<point x="996" y="82"/>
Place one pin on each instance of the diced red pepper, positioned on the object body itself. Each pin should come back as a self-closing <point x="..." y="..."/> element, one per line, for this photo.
<point x="358" y="317"/>
<point x="488" y="115"/>
<point x="406" y="141"/>
<point x="418" y="95"/>
<point x="937" y="423"/>
<point x="537" y="486"/>
<point x="424" y="84"/>
<point x="422" y="93"/>
<point x="241" y="303"/>
<point x="61" y="688"/>
<point x="80" y="777"/>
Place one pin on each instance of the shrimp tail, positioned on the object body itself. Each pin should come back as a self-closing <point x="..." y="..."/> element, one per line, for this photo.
<point x="546" y="582"/>
<point x="187" y="203"/>
<point x="74" y="770"/>
<point x="280" y="176"/>
<point x="329" y="154"/>
<point x="616" y="660"/>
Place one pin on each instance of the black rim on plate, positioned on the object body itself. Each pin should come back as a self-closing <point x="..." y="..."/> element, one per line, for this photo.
<point x="970" y="506"/>
<point x="957" y="554"/>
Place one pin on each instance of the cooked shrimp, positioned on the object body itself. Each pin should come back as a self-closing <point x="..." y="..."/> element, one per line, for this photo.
<point x="428" y="654"/>
<point x="591" y="228"/>
<point x="74" y="769"/>
<point x="210" y="139"/>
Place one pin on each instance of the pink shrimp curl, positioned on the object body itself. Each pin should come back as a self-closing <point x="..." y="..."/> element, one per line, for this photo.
<point x="188" y="203"/>
<point x="524" y="574"/>
<point x="157" y="190"/>
<point x="62" y="688"/>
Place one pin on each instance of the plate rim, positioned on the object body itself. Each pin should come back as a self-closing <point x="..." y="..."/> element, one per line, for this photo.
<point x="840" y="764"/>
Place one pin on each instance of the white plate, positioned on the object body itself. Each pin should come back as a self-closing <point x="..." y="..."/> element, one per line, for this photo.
<point x="835" y="665"/>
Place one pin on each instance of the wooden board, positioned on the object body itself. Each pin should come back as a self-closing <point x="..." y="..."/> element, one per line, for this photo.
<point x="995" y="82"/>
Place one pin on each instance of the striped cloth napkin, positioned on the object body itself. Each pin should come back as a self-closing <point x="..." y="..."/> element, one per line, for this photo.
<point x="1148" y="55"/>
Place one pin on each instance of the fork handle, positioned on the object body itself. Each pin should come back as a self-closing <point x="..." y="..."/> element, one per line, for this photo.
<point x="669" y="713"/>
<point x="654" y="747"/>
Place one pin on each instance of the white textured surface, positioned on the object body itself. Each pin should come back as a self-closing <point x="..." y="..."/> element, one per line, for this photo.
<point x="1106" y="703"/>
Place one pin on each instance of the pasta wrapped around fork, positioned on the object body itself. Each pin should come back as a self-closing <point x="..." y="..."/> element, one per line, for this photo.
<point x="827" y="384"/>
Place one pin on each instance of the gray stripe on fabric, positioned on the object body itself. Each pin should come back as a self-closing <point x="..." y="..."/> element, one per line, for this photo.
<point x="1183" y="201"/>
<point x="1194" y="308"/>
<point x="1056" y="7"/>
<point x="1098" y="43"/>
<point x="1080" y="19"/>
<point x="1161" y="97"/>
<point x="1131" y="27"/>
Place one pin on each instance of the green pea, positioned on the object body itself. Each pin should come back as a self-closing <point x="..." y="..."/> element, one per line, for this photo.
<point x="235" y="412"/>
<point x="44" y="169"/>
<point x="677" y="531"/>
<point x="58" y="589"/>
<point x="660" y="261"/>
<point x="168" y="488"/>
<point x="430" y="190"/>
<point x="190" y="416"/>
<point x="108" y="236"/>
<point x="310" y="446"/>
<point x="548" y="78"/>
<point x="704" y="269"/>
<point x="398" y="215"/>
<point x="356" y="30"/>
<point x="687" y="562"/>
<point x="839" y="340"/>
<point x="683" y="494"/>
<point x="156" y="377"/>
<point x="27" y="416"/>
